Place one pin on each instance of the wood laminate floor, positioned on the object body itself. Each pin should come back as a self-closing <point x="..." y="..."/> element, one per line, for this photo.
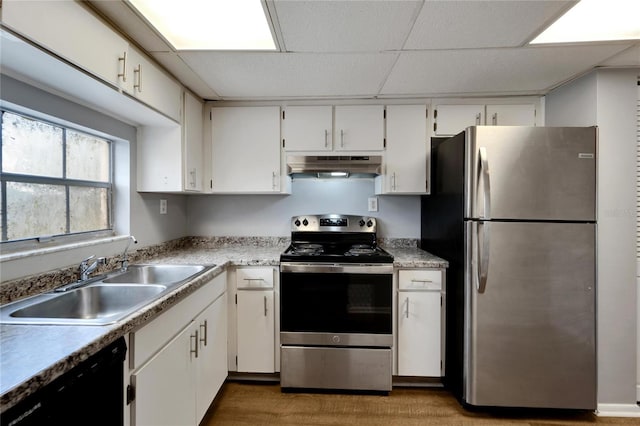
<point x="245" y="404"/>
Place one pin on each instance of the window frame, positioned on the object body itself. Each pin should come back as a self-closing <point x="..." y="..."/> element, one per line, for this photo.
<point x="67" y="237"/>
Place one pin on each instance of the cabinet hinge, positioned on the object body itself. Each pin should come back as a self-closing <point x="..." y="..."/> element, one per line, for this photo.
<point x="283" y="114"/>
<point x="426" y="111"/>
<point x="435" y="113"/>
<point x="131" y="394"/>
<point x="236" y="301"/>
<point x="211" y="183"/>
<point x="384" y="113"/>
<point x="283" y="143"/>
<point x="384" y="142"/>
<point x="435" y="126"/>
<point x="210" y="116"/>
<point x="440" y="300"/>
<point x="236" y="360"/>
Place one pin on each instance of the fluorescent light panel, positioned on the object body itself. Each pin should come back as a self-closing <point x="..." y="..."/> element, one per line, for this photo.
<point x="595" y="20"/>
<point x="209" y="24"/>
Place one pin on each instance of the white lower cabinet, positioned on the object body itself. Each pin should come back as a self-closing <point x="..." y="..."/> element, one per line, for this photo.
<point x="179" y="360"/>
<point x="420" y="323"/>
<point x="256" y="325"/>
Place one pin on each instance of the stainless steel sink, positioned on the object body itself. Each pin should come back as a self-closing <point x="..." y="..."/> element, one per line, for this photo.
<point x="91" y="303"/>
<point x="102" y="300"/>
<point x="155" y="274"/>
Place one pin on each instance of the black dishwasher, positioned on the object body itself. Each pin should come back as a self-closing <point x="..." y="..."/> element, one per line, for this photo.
<point x="89" y="394"/>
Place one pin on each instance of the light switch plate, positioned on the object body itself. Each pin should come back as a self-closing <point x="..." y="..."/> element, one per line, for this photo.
<point x="163" y="206"/>
<point x="373" y="204"/>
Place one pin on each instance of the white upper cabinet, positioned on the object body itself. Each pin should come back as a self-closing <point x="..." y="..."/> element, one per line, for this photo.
<point x="71" y="31"/>
<point x="245" y="149"/>
<point x="359" y="128"/>
<point x="450" y="120"/>
<point x="192" y="138"/>
<point x="152" y="86"/>
<point x="511" y="115"/>
<point x="307" y="128"/>
<point x="406" y="156"/>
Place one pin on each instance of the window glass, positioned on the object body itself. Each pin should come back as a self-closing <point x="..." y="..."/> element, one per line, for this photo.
<point x="54" y="180"/>
<point x="88" y="209"/>
<point x="31" y="147"/>
<point x="35" y="210"/>
<point x="87" y="157"/>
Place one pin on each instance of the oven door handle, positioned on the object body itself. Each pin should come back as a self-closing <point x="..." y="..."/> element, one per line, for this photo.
<point x="333" y="268"/>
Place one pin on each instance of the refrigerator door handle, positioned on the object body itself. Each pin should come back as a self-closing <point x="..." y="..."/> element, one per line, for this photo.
<point x="483" y="237"/>
<point x="484" y="171"/>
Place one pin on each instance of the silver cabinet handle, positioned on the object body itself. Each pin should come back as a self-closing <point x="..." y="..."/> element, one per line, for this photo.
<point x="494" y="119"/>
<point x="123" y="59"/>
<point x="137" y="85"/>
<point x="478" y="118"/>
<point x="326" y="138"/>
<point x="265" y="306"/>
<point x="421" y="281"/>
<point x="273" y="180"/>
<point x="203" y="335"/>
<point x="193" y="173"/>
<point x="253" y="279"/>
<point x="406" y="301"/>
<point x="194" y="339"/>
<point x="341" y="138"/>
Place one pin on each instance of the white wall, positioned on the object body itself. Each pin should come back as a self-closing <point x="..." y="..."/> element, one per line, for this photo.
<point x="607" y="98"/>
<point x="270" y="215"/>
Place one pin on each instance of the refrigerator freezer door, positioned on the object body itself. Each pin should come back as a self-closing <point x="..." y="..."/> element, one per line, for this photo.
<point x="530" y="332"/>
<point x="531" y="173"/>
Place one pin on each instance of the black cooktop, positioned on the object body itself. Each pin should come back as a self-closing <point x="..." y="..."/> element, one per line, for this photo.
<point x="338" y="248"/>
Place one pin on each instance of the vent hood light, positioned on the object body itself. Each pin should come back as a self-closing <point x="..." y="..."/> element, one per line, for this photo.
<point x="595" y="20"/>
<point x="209" y="24"/>
<point x="333" y="175"/>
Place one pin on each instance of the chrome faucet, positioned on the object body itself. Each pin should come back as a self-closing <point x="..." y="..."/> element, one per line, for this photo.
<point x="86" y="268"/>
<point x="125" y="258"/>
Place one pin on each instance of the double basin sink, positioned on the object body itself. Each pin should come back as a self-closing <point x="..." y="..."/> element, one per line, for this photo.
<point x="102" y="300"/>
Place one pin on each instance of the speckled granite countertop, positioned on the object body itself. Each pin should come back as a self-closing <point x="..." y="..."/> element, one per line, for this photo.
<point x="32" y="356"/>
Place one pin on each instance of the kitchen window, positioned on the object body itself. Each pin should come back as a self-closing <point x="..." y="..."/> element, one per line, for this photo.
<point x="56" y="181"/>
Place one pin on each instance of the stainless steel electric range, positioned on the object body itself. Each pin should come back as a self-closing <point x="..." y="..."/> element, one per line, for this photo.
<point x="335" y="306"/>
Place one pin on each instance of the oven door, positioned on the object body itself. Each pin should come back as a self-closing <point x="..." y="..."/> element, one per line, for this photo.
<point x="336" y="305"/>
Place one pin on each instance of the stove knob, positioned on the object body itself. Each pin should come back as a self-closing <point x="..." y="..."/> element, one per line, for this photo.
<point x="369" y="223"/>
<point x="361" y="222"/>
<point x="297" y="222"/>
<point x="305" y="222"/>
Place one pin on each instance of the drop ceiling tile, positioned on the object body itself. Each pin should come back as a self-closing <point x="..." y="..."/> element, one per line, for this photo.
<point x="478" y="24"/>
<point x="236" y="75"/>
<point x="492" y="71"/>
<point x="345" y="26"/>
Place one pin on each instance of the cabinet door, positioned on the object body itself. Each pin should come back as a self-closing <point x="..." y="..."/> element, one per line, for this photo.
<point x="211" y="365"/>
<point x="72" y="32"/>
<point x="153" y="87"/>
<point x="406" y="155"/>
<point x="511" y="115"/>
<point x="307" y="128"/>
<point x="419" y="333"/>
<point x="359" y="128"/>
<point x="450" y="120"/>
<point x="159" y="159"/>
<point x="256" y="331"/>
<point x="246" y="149"/>
<point x="192" y="142"/>
<point x="164" y="385"/>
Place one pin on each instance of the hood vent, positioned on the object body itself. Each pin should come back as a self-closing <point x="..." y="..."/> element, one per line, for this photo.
<point x="324" y="165"/>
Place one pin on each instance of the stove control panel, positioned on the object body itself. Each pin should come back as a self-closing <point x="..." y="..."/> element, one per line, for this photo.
<point x="333" y="223"/>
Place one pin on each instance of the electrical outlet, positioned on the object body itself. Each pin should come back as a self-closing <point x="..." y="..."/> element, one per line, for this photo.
<point x="373" y="204"/>
<point x="163" y="206"/>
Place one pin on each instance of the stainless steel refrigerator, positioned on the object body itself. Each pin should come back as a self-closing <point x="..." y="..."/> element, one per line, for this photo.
<point x="513" y="209"/>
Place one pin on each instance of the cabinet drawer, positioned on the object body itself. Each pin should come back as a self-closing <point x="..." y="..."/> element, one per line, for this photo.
<point x="254" y="278"/>
<point x="420" y="279"/>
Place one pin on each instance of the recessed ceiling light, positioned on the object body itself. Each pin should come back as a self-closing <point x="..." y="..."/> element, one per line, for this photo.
<point x="595" y="20"/>
<point x="209" y="24"/>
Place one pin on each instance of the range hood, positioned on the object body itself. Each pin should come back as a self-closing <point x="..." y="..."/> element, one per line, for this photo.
<point x="334" y="165"/>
